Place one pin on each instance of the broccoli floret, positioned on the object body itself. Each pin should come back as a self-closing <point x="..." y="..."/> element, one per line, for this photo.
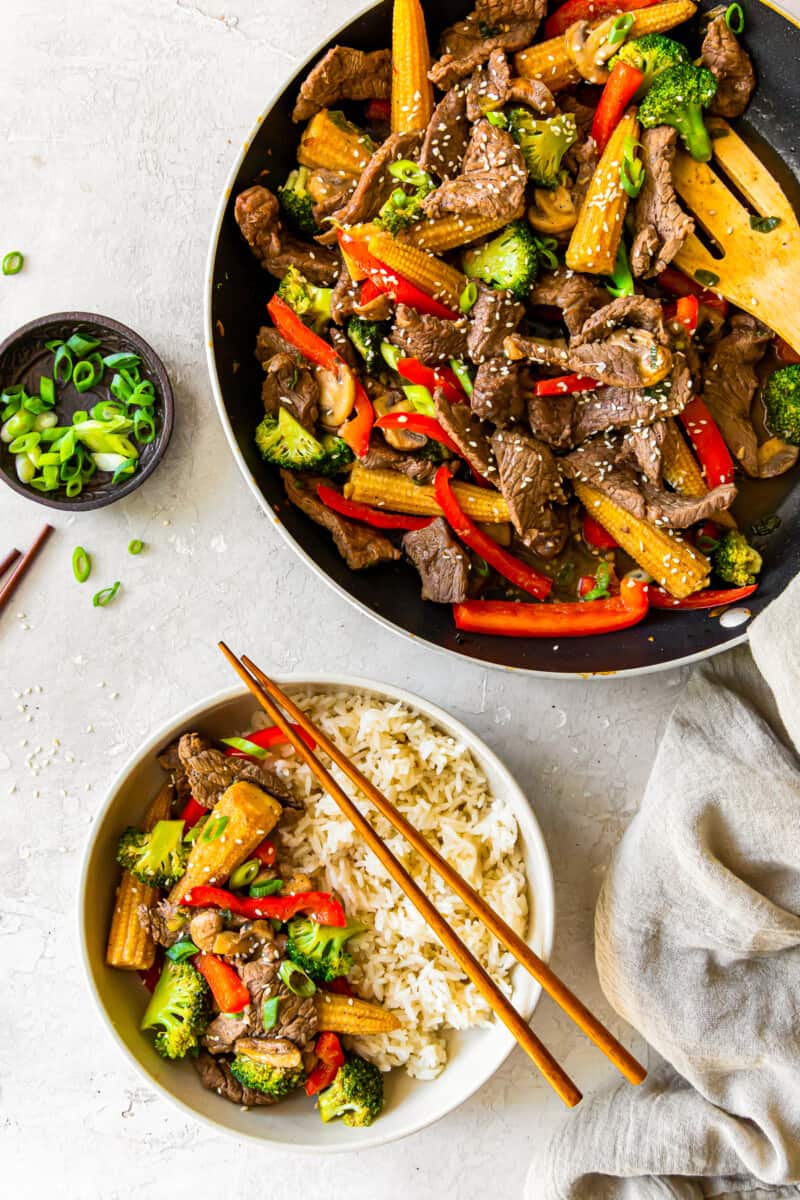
<point x="157" y="858"/>
<point x="543" y="143"/>
<point x="284" y="442"/>
<point x="178" y="1008"/>
<point x="678" y="97"/>
<point x="320" y="949"/>
<point x="650" y="54"/>
<point x="272" y="1081"/>
<point x="297" y="202"/>
<point x="509" y="260"/>
<point x="310" y="302"/>
<point x="782" y="402"/>
<point x="356" y="1094"/>
<point x="367" y="336"/>
<point x="735" y="560"/>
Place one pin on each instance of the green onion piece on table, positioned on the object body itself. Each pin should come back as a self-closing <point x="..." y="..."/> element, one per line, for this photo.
<point x="12" y="263"/>
<point x="81" y="564"/>
<point x="106" y="595"/>
<point x="136" y="546"/>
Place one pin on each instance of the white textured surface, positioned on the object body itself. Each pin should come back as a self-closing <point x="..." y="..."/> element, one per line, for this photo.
<point x="123" y="117"/>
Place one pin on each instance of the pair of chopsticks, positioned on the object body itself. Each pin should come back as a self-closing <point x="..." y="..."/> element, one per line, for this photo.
<point x="23" y="564"/>
<point x="270" y="696"/>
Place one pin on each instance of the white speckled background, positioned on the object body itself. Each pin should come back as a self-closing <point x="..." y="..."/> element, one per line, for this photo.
<point x="122" y="119"/>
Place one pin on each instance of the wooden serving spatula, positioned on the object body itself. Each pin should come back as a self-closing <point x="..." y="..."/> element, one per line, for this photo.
<point x="760" y="269"/>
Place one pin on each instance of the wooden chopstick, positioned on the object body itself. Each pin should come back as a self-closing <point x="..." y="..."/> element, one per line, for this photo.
<point x="536" y="1051"/>
<point x="586" y="1021"/>
<point x="20" y="570"/>
<point x="10" y="558"/>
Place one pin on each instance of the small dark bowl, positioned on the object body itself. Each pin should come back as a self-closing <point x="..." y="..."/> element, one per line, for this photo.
<point x="24" y="358"/>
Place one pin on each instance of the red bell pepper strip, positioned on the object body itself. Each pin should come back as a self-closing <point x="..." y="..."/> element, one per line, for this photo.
<point x="674" y="281"/>
<point x="509" y="618"/>
<point x="310" y="344"/>
<point x="369" y="292"/>
<point x="229" y="991"/>
<point x="706" y="536"/>
<point x="623" y="82"/>
<point x="387" y="280"/>
<point x="321" y="1077"/>
<point x="151" y="976"/>
<point x="322" y="907"/>
<point x="266" y="739"/>
<point x="588" y="10"/>
<point x="364" y="512"/>
<point x="565" y="384"/>
<point x="356" y="431"/>
<point x="266" y="853"/>
<point x="331" y="1056"/>
<point x="710" y="598"/>
<point x="595" y="535"/>
<point x="585" y="585"/>
<point x="686" y="310"/>
<point x="432" y="378"/>
<point x="709" y="444"/>
<point x="417" y="423"/>
<point x="192" y="812"/>
<point x="784" y="351"/>
<point x="511" y="568"/>
<point x="339" y="987"/>
<point x="379" y="110"/>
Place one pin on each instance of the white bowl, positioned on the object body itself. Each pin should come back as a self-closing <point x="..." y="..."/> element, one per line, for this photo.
<point x="474" y="1055"/>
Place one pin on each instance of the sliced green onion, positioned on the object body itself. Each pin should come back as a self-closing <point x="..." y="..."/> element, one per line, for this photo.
<point x="49" y="474"/>
<point x="12" y="263"/>
<point x="191" y="835"/>
<point x="21" y="422"/>
<point x="84" y="376"/>
<point x="707" y="278"/>
<point x="47" y="390"/>
<point x="73" y="488"/>
<point x="546" y="248"/>
<point x="124" y="470"/>
<point x="621" y="282"/>
<point x="764" y="224"/>
<point x="497" y="118"/>
<point x="461" y="372"/>
<point x="391" y="355"/>
<point x="120" y="388"/>
<point x="49" y="459"/>
<point x="72" y="467"/>
<point x="53" y="344"/>
<point x="296" y="979"/>
<point x="136" y="546"/>
<point x="214" y="827"/>
<point x="468" y="297"/>
<point x="12" y="407"/>
<point x="601" y="581"/>
<point x="25" y="442"/>
<point x="81" y="564"/>
<point x="45" y="420"/>
<point x="121" y="359"/>
<point x="79" y="346"/>
<point x="244" y="875"/>
<point x="80" y="416"/>
<point x="143" y="394"/>
<point x="421" y="398"/>
<point x="35" y="405"/>
<point x="269" y="1012"/>
<point x="24" y="468"/>
<point x="632" y="172"/>
<point x="66" y="446"/>
<point x="410" y="172"/>
<point x="480" y="567"/>
<point x="62" y="365"/>
<point x="144" y="427"/>
<point x="620" y="29"/>
<point x="182" y="950"/>
<point x="270" y="888"/>
<point x="104" y="410"/>
<point x="44" y="483"/>
<point x="734" y="18"/>
<point x="100" y="600"/>
<point x="245" y="746"/>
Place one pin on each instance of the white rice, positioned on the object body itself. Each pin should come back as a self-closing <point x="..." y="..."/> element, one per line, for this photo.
<point x="434" y="781"/>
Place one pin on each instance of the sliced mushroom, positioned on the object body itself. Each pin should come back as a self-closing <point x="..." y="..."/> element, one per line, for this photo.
<point x="337" y="395"/>
<point x="275" y="1052"/>
<point x="399" y="438"/>
<point x="498" y="533"/>
<point x="775" y="457"/>
<point x="297" y="883"/>
<point x="589" y="48"/>
<point x="204" y="928"/>
<point x="236" y="943"/>
<point x="553" y="211"/>
<point x="533" y="92"/>
<point x="655" y="360"/>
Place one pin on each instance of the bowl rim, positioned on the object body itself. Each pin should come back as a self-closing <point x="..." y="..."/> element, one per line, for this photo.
<point x="167" y="422"/>
<point x="530" y="831"/>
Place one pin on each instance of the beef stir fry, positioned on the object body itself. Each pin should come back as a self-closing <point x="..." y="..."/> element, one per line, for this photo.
<point x="247" y="966"/>
<point x="482" y="357"/>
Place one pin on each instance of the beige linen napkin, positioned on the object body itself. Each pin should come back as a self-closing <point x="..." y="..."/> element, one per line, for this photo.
<point x="698" y="947"/>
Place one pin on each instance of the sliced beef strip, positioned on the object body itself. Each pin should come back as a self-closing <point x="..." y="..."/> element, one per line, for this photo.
<point x="466" y="430"/>
<point x="492" y="182"/>
<point x="578" y="296"/>
<point x="725" y="58"/>
<point x="288" y="385"/>
<point x="660" y="224"/>
<point x="269" y="343"/>
<point x="447" y="135"/>
<point x="679" y="512"/>
<point x="344" y="74"/>
<point x="297" y="1019"/>
<point x="257" y="215"/>
<point x="215" y="1074"/>
<point x="491" y="26"/>
<point x="210" y="772"/>
<point x="331" y="191"/>
<point x="379" y="308"/>
<point x="161" y="921"/>
<point x="169" y="760"/>
<point x="498" y="393"/>
<point x="383" y="457"/>
<point x="494" y="315"/>
<point x="551" y="419"/>
<point x="729" y="384"/>
<point x="442" y="562"/>
<point x="359" y="546"/>
<point x="223" y="1031"/>
<point x="345" y="348"/>
<point x="643" y="446"/>
<point x="491" y="86"/>
<point x="375" y="184"/>
<point x="428" y="338"/>
<point x="344" y="301"/>
<point x="582" y="160"/>
<point x="529" y="479"/>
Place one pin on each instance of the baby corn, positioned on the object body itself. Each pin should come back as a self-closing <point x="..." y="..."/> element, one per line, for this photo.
<point x="412" y="94"/>
<point x="240" y="820"/>
<point x="445" y="233"/>
<point x="425" y="271"/>
<point x="330" y="140"/>
<point x="678" y="567"/>
<point x="682" y="471"/>
<point x="129" y="946"/>
<point x="550" y="62"/>
<point x="595" y="239"/>
<point x="348" y="1014"/>
<point x="389" y="489"/>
